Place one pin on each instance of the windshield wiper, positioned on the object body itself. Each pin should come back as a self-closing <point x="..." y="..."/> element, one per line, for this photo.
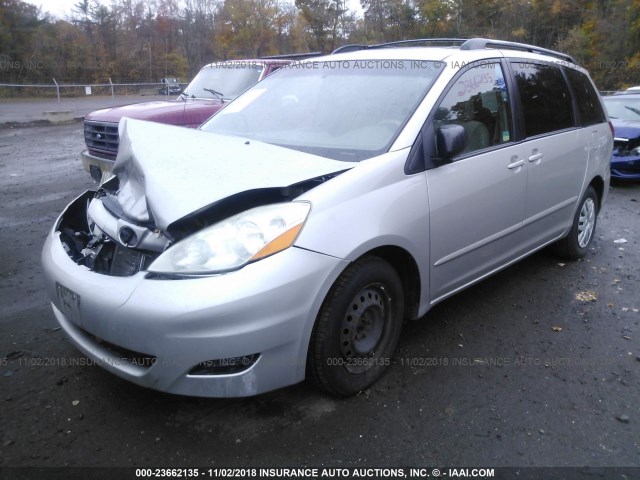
<point x="215" y="92"/>
<point x="634" y="110"/>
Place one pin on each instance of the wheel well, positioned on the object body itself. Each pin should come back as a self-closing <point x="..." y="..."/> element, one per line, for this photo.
<point x="407" y="268"/>
<point x="598" y="185"/>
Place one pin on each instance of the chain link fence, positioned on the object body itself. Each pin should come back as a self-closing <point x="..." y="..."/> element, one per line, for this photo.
<point x="73" y="90"/>
<point x="61" y="102"/>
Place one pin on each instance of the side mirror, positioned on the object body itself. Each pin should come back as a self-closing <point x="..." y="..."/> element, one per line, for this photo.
<point x="450" y="141"/>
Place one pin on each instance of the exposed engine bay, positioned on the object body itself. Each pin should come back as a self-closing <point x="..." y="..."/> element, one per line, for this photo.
<point x="97" y="233"/>
<point x="624" y="147"/>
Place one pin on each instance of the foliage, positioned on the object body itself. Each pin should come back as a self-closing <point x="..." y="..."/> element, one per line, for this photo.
<point x="143" y="41"/>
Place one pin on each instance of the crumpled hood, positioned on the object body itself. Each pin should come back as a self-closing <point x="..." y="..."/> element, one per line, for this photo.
<point x="173" y="172"/>
<point x="625" y="128"/>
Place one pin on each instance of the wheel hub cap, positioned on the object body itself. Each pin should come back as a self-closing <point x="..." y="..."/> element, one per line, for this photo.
<point x="586" y="222"/>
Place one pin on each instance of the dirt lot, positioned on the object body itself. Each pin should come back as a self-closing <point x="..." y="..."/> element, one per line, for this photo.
<point x="21" y="111"/>
<point x="537" y="366"/>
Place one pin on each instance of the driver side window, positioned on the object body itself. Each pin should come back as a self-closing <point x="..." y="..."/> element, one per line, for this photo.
<point x="478" y="102"/>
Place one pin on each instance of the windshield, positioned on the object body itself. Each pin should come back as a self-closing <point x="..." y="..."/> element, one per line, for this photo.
<point x="224" y="81"/>
<point x="343" y="110"/>
<point x="623" y="107"/>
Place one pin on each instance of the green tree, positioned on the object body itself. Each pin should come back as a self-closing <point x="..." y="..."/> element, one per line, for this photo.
<point x="19" y="23"/>
<point x="323" y="18"/>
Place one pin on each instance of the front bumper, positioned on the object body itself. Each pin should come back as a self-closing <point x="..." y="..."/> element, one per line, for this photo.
<point x="266" y="308"/>
<point x="625" y="167"/>
<point x="99" y="168"/>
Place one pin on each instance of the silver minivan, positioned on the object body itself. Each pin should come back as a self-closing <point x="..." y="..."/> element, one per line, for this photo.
<point x="292" y="235"/>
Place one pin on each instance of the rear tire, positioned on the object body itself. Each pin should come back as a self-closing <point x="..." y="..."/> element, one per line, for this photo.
<point x="357" y="329"/>
<point x="576" y="244"/>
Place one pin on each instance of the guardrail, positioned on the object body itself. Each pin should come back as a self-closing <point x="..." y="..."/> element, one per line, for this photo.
<point x="80" y="89"/>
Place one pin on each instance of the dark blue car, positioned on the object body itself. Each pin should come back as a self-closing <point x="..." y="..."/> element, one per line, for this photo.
<point x="624" y="112"/>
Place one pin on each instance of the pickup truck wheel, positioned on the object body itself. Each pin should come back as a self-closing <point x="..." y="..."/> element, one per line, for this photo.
<point x="357" y="329"/>
<point x="577" y="242"/>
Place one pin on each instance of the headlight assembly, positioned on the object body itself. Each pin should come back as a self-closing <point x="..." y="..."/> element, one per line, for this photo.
<point x="236" y="241"/>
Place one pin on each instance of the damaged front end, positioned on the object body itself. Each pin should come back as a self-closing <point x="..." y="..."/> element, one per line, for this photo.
<point x="171" y="183"/>
<point x="94" y="234"/>
<point x="625" y="161"/>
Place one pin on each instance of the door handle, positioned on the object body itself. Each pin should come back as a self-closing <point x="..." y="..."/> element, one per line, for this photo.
<point x="535" y="157"/>
<point x="515" y="164"/>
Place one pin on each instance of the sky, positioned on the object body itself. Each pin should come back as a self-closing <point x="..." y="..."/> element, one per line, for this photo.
<point x="57" y="8"/>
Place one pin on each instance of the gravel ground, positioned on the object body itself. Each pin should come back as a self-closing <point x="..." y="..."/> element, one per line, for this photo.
<point x="18" y="112"/>
<point x="537" y="366"/>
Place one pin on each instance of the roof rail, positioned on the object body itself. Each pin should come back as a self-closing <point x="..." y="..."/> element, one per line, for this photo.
<point x="292" y="56"/>
<point x="353" y="48"/>
<point x="481" y="43"/>
<point x="350" y="48"/>
<point x="464" y="44"/>
<point x="449" y="41"/>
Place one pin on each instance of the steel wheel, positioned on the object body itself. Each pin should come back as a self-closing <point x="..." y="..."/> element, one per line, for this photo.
<point x="357" y="329"/>
<point x="363" y="325"/>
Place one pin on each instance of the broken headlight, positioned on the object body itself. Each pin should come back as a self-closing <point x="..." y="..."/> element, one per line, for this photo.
<point x="236" y="241"/>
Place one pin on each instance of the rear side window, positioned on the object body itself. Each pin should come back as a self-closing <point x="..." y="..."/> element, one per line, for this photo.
<point x="545" y="98"/>
<point x="589" y="106"/>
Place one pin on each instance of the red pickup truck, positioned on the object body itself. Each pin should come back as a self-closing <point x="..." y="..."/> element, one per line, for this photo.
<point x="215" y="85"/>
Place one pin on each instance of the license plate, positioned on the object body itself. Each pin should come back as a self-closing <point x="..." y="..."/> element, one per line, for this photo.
<point x="69" y="303"/>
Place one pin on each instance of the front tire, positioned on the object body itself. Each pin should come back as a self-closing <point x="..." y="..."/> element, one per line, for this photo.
<point x="357" y="329"/>
<point x="576" y="244"/>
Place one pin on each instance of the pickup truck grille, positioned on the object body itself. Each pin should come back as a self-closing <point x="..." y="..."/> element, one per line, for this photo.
<point x="101" y="137"/>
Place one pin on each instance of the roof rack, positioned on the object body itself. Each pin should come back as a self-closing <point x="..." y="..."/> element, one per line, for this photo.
<point x="292" y="56"/>
<point x="353" y="48"/>
<point x="350" y="48"/>
<point x="481" y="43"/>
<point x="450" y="41"/>
<point x="464" y="44"/>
